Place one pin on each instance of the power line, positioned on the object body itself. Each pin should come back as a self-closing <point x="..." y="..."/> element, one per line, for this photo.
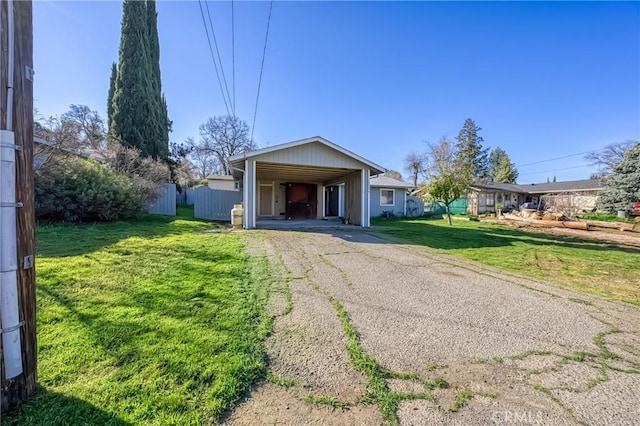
<point x="204" y="21"/>
<point x="264" y="52"/>
<point x="559" y="158"/>
<point x="215" y="43"/>
<point x="555" y="170"/>
<point x="233" y="56"/>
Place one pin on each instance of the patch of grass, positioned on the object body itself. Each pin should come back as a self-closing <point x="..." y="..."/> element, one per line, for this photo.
<point x="145" y="322"/>
<point x="437" y="383"/>
<point x="377" y="390"/>
<point x="280" y="381"/>
<point x="583" y="264"/>
<point x="463" y="396"/>
<point x="433" y="367"/>
<point x="577" y="357"/>
<point x="324" y="400"/>
<point x="581" y="301"/>
<point x="605" y="217"/>
<point x="605" y="353"/>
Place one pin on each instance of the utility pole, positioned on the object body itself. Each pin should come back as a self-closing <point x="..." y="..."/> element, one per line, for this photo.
<point x="17" y="216"/>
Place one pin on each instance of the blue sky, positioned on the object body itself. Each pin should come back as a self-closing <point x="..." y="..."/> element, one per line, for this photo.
<point x="542" y="79"/>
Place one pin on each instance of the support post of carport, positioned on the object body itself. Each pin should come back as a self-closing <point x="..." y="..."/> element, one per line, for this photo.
<point x="249" y="194"/>
<point x="365" y="220"/>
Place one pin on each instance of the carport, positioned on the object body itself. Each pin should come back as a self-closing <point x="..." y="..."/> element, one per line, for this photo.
<point x="297" y="180"/>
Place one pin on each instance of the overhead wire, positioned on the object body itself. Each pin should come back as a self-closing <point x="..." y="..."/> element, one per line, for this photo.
<point x="264" y="52"/>
<point x="559" y="158"/>
<point x="215" y="43"/>
<point x="555" y="170"/>
<point x="206" y="29"/>
<point x="233" y="56"/>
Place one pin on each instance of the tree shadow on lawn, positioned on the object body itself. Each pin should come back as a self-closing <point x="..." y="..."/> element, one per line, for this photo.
<point x="52" y="408"/>
<point x="423" y="233"/>
<point x="63" y="240"/>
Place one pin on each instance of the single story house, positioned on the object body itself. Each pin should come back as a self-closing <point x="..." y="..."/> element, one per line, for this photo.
<point x="223" y="182"/>
<point x="310" y="178"/>
<point x="485" y="197"/>
<point x="388" y="195"/>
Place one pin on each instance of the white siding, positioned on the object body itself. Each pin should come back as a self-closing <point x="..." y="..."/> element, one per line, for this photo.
<point x="313" y="154"/>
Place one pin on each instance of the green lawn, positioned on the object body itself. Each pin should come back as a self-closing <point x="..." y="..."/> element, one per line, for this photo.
<point x="145" y="322"/>
<point x="587" y="265"/>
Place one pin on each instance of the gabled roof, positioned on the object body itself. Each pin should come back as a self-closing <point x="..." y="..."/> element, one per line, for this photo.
<point x="375" y="168"/>
<point x="388" y="182"/>
<point x="542" y="188"/>
<point x="573" y="185"/>
<point x="497" y="187"/>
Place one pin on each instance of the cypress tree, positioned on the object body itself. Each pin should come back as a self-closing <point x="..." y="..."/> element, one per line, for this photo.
<point x="138" y="113"/>
<point x="160" y="114"/>
<point x="112" y="89"/>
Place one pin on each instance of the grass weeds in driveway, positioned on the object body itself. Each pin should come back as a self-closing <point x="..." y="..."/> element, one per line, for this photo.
<point x="145" y="322"/>
<point x="582" y="264"/>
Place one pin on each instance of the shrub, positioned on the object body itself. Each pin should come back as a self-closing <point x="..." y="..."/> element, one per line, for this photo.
<point x="72" y="189"/>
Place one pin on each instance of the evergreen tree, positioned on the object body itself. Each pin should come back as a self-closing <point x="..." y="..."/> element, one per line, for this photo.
<point x="622" y="187"/>
<point x="160" y="103"/>
<point x="112" y="89"/>
<point x="472" y="159"/>
<point x="138" y="113"/>
<point x="501" y="169"/>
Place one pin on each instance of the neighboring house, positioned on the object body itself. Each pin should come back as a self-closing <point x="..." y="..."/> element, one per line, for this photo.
<point x="388" y="195"/>
<point x="223" y="182"/>
<point x="310" y="178"/>
<point x="582" y="194"/>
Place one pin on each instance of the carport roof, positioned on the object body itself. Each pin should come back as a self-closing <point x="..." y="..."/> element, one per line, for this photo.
<point x="237" y="161"/>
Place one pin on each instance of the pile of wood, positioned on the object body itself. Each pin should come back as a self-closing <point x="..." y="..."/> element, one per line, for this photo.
<point x="545" y="219"/>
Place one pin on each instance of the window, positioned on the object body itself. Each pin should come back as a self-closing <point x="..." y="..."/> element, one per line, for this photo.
<point x="490" y="199"/>
<point x="387" y="197"/>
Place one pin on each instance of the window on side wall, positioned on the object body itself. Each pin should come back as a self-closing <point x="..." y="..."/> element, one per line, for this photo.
<point x="490" y="199"/>
<point x="387" y="197"/>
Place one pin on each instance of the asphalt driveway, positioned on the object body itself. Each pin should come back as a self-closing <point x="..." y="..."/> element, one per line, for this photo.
<point x="454" y="342"/>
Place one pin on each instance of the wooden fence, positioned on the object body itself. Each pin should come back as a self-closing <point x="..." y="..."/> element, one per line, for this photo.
<point x="166" y="204"/>
<point x="214" y="204"/>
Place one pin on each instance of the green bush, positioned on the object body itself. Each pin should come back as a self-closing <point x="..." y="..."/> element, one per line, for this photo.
<point x="72" y="189"/>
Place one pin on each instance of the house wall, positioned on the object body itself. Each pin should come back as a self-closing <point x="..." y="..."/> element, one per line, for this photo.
<point x="353" y="198"/>
<point x="400" y="201"/>
<point x="314" y="154"/>
<point x="478" y="201"/>
<point x="279" y="198"/>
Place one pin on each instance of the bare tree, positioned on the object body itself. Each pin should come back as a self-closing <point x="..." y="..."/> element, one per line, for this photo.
<point x="393" y="174"/>
<point x="203" y="158"/>
<point x="440" y="158"/>
<point x="414" y="164"/>
<point x="226" y="136"/>
<point x="609" y="156"/>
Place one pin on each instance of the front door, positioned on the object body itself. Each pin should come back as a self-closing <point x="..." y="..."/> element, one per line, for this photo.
<point x="331" y="195"/>
<point x="266" y="197"/>
<point x="302" y="201"/>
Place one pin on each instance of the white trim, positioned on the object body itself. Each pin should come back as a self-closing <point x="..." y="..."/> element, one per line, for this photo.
<point x="405" y="204"/>
<point x="340" y="202"/>
<point x="363" y="197"/>
<point x="393" y="190"/>
<point x="245" y="195"/>
<point x="376" y="167"/>
<point x="255" y="180"/>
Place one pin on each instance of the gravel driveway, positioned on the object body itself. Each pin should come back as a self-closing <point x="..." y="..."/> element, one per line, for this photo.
<point x="372" y="331"/>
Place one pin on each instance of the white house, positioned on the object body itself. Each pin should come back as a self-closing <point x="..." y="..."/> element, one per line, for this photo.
<point x="310" y="178"/>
